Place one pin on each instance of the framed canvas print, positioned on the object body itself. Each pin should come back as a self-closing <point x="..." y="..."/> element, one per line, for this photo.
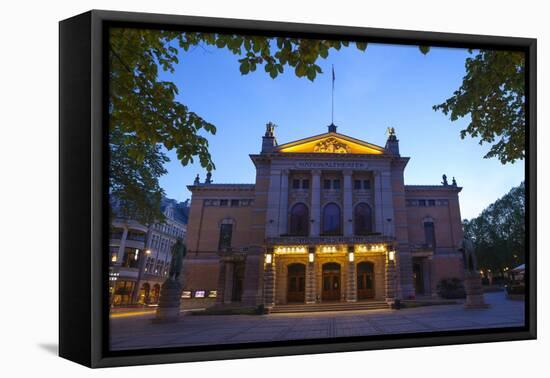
<point x="234" y="188"/>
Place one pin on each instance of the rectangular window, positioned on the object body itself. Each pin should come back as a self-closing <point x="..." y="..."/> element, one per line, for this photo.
<point x="336" y="184"/>
<point x="326" y="184"/>
<point x="357" y="184"/>
<point x="421" y="202"/>
<point x="235" y="203"/>
<point x="305" y="184"/>
<point x="226" y="232"/>
<point x="431" y="202"/>
<point x="295" y="184"/>
<point x="366" y="184"/>
<point x="223" y="202"/>
<point x="429" y="234"/>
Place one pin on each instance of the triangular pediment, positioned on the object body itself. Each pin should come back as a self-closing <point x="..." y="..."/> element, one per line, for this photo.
<point x="333" y="143"/>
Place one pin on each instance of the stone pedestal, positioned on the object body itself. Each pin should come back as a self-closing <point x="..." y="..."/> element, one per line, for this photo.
<point x="474" y="291"/>
<point x="169" y="301"/>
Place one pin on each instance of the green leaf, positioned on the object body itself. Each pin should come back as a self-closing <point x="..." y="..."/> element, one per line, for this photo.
<point x="424" y="49"/>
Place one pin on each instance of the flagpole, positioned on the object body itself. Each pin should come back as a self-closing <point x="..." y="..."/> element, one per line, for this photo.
<point x="332" y="113"/>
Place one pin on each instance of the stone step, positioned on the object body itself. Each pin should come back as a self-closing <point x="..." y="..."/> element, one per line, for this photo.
<point x="325" y="307"/>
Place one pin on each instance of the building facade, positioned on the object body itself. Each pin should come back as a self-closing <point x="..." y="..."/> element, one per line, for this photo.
<point x="140" y="256"/>
<point x="328" y="219"/>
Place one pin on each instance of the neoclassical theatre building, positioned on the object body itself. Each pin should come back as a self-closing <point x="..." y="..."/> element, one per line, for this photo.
<point x="329" y="219"/>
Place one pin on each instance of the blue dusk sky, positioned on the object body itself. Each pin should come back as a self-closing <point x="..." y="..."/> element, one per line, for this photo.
<point x="387" y="85"/>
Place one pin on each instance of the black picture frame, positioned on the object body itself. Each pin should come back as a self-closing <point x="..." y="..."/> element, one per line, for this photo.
<point x="83" y="228"/>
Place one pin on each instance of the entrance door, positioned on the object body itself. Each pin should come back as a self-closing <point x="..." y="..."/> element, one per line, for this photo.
<point x="418" y="277"/>
<point x="296" y="288"/>
<point x="331" y="282"/>
<point x="365" y="280"/>
<point x="238" y="278"/>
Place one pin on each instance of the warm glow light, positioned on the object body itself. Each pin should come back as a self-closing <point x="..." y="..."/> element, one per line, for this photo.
<point x="268" y="258"/>
<point x="148" y="251"/>
<point x="351" y="257"/>
<point x="113" y="258"/>
<point x="391" y="255"/>
<point x="308" y="146"/>
<point x="311" y="257"/>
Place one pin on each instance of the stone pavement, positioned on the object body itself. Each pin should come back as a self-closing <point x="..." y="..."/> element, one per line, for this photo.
<point x="138" y="331"/>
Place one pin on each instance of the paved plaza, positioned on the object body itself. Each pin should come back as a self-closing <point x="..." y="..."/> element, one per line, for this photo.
<point x="138" y="331"/>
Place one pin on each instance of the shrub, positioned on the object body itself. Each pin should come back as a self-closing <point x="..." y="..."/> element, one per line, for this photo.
<point x="451" y="289"/>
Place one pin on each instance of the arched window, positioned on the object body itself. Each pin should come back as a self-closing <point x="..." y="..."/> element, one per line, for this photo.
<point x="299" y="220"/>
<point x="362" y="219"/>
<point x="332" y="222"/>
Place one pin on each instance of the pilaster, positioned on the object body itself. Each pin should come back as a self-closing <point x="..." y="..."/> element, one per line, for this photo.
<point x="348" y="205"/>
<point x="310" y="283"/>
<point x="315" y="210"/>
<point x="283" y="203"/>
<point x="273" y="203"/>
<point x="228" y="287"/>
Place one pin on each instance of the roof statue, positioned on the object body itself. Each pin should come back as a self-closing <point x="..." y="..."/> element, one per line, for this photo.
<point x="208" y="179"/>
<point x="270" y="129"/>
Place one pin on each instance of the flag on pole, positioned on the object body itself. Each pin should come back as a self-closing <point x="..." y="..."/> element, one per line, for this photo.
<point x="332" y="110"/>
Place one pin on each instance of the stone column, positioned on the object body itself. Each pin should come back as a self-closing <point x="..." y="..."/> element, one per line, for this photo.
<point x="273" y="198"/>
<point x="122" y="246"/>
<point x="269" y="284"/>
<point x="251" y="295"/>
<point x="315" y="210"/>
<point x="220" y="295"/>
<point x="378" y="215"/>
<point x="390" y="280"/>
<point x="311" y="295"/>
<point x="433" y="281"/>
<point x="386" y="192"/>
<point x="348" y="204"/>
<point x="351" y="289"/>
<point x="228" y="287"/>
<point x="283" y="203"/>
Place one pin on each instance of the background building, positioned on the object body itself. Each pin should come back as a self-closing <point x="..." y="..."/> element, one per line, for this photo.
<point x="140" y="255"/>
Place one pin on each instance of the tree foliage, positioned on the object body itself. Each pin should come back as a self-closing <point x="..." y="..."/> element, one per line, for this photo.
<point x="499" y="231"/>
<point x="145" y="115"/>
<point x="493" y="95"/>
